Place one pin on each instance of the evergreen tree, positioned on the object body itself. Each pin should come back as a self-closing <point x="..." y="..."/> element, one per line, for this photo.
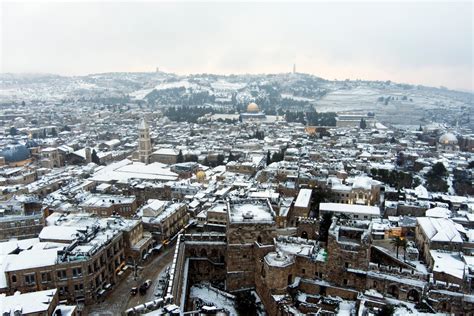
<point x="269" y="159"/>
<point x="220" y="159"/>
<point x="435" y="178"/>
<point x="363" y="123"/>
<point x="95" y="159"/>
<point x="13" y="131"/>
<point x="324" y="226"/>
<point x="180" y="158"/>
<point x="231" y="157"/>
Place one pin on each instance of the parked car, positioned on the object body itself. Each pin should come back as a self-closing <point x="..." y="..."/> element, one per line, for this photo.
<point x="144" y="287"/>
<point x="147" y="283"/>
<point x="134" y="290"/>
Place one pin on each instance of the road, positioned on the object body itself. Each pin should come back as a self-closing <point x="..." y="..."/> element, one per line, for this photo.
<point x="120" y="299"/>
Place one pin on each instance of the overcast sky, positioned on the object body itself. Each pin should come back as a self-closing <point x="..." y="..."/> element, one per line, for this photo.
<point x="428" y="43"/>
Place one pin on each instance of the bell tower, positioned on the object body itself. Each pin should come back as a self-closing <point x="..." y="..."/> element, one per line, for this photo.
<point x="144" y="142"/>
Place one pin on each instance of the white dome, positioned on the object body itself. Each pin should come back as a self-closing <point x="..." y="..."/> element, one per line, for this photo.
<point x="448" y="138"/>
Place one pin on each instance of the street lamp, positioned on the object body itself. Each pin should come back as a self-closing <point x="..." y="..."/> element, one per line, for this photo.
<point x="135" y="267"/>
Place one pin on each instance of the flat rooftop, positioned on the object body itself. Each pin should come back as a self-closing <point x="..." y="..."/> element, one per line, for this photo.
<point x="251" y="211"/>
<point x="304" y="197"/>
<point x="349" y="208"/>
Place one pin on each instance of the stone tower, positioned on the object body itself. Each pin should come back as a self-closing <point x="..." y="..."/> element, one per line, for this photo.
<point x="144" y="142"/>
<point x="88" y="154"/>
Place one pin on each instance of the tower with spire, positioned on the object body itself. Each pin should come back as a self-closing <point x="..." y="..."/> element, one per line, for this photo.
<point x="144" y="142"/>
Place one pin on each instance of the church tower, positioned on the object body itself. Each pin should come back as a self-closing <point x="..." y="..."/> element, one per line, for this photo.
<point x="144" y="142"/>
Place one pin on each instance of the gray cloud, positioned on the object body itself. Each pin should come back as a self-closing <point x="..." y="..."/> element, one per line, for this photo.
<point x="427" y="43"/>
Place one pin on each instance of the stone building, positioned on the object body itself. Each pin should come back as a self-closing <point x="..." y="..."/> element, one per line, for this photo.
<point x="167" y="156"/>
<point x="79" y="254"/>
<point x="106" y="205"/>
<point x="50" y="158"/>
<point x="437" y="233"/>
<point x="21" y="226"/>
<point x="35" y="304"/>
<point x="164" y="219"/>
<point x="302" y="205"/>
<point x="358" y="190"/>
<point x="249" y="221"/>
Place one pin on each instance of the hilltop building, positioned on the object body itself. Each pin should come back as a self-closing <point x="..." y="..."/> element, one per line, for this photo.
<point x="253" y="114"/>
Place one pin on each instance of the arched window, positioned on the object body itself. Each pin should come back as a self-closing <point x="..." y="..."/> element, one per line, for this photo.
<point x="413" y="295"/>
<point x="14" y="278"/>
<point x="259" y="239"/>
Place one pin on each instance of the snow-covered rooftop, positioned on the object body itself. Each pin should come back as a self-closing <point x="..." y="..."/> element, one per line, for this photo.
<point x="250" y="211"/>
<point x="439" y="229"/>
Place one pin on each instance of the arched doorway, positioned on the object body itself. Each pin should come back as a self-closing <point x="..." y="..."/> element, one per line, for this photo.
<point x="393" y="290"/>
<point x="413" y="295"/>
<point x="304" y="235"/>
<point x="214" y="253"/>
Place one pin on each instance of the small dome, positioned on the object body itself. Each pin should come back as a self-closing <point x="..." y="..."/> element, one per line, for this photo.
<point x="15" y="153"/>
<point x="200" y="175"/>
<point x="252" y="108"/>
<point x="448" y="138"/>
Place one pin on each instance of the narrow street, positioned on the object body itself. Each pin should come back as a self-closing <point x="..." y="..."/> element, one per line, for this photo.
<point x="120" y="299"/>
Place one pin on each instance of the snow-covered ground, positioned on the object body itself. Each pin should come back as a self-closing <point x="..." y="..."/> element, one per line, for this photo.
<point x="211" y="295"/>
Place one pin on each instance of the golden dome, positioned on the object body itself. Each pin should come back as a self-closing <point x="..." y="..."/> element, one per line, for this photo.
<point x="200" y="175"/>
<point x="252" y="108"/>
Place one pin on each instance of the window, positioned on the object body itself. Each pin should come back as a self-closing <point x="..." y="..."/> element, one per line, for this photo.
<point x="62" y="274"/>
<point x="76" y="272"/>
<point x="45" y="277"/>
<point x="63" y="290"/>
<point x="346" y="264"/>
<point x="30" y="279"/>
<point x="78" y="287"/>
<point x="345" y="281"/>
<point x="303" y="271"/>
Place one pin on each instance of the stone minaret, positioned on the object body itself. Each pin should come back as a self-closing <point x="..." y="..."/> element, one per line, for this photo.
<point x="88" y="154"/>
<point x="144" y="142"/>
